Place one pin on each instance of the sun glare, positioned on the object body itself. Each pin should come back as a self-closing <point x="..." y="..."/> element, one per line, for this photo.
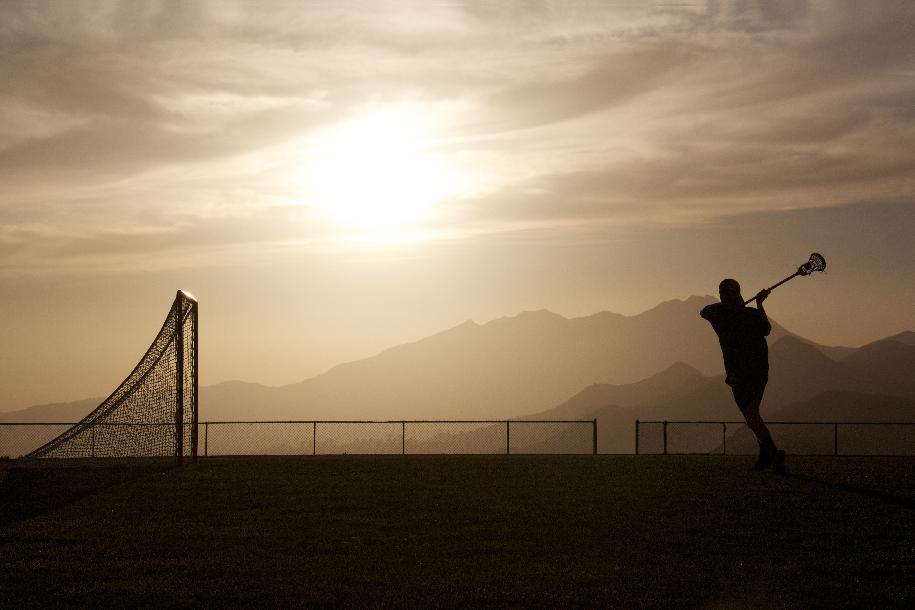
<point x="379" y="173"/>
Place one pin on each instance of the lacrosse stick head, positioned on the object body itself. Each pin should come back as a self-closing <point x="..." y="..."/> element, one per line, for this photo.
<point x="817" y="262"/>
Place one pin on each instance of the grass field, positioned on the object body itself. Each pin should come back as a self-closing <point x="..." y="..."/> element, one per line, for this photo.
<point x="471" y="531"/>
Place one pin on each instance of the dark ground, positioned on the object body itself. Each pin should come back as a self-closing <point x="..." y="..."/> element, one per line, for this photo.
<point x="470" y="531"/>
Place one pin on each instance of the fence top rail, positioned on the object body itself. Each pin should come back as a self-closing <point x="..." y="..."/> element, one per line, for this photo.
<point x="803" y="423"/>
<point x="325" y="421"/>
<point x="464" y="421"/>
<point x="73" y="423"/>
<point x="412" y="421"/>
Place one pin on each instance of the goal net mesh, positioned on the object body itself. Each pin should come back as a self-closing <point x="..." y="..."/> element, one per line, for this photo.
<point x="152" y="412"/>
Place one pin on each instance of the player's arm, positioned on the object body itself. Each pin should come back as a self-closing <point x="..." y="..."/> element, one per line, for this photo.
<point x="707" y="312"/>
<point x="765" y="325"/>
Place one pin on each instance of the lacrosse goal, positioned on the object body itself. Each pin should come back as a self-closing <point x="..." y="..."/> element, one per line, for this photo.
<point x="153" y="413"/>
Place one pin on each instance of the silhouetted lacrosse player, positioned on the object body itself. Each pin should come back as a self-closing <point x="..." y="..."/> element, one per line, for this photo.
<point x="742" y="334"/>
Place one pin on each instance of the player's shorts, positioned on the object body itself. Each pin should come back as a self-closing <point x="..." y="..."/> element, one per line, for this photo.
<point x="749" y="389"/>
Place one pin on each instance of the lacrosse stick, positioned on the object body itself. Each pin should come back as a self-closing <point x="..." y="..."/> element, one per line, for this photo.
<point x="816" y="263"/>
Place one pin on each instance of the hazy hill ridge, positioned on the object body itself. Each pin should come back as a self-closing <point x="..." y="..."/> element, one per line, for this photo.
<point x="874" y="383"/>
<point x="512" y="366"/>
<point x="515" y="366"/>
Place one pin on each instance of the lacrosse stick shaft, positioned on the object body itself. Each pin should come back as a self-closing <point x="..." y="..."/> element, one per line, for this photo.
<point x="771" y="288"/>
<point x="816" y="263"/>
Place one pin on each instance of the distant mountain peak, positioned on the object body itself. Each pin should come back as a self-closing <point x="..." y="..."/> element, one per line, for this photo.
<point x="897" y="344"/>
<point x="467" y="326"/>
<point x="791" y="340"/>
<point x="794" y="344"/>
<point x="791" y="349"/>
<point x="602" y="315"/>
<point x="540" y="314"/>
<point x="906" y="336"/>
<point x="692" y="302"/>
<point x="678" y="374"/>
<point x="705" y="298"/>
<point x="680" y="369"/>
<point x="232" y="384"/>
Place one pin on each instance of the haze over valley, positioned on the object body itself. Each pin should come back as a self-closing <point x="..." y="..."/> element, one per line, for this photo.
<point x="664" y="363"/>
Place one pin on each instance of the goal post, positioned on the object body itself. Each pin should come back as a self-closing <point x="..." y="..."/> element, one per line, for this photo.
<point x="153" y="412"/>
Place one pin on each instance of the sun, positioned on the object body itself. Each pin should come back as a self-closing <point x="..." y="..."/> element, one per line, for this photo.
<point x="380" y="172"/>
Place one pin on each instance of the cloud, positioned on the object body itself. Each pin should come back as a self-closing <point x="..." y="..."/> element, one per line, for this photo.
<point x="155" y="244"/>
<point x="112" y="148"/>
<point x="734" y="111"/>
<point x="145" y="119"/>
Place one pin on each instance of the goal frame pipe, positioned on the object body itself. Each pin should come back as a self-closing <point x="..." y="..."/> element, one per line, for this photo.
<point x="179" y="378"/>
<point x="182" y="297"/>
<point x="195" y="415"/>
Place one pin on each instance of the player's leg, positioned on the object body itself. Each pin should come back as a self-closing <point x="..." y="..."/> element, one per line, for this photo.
<point x="748" y="396"/>
<point x="767" y="448"/>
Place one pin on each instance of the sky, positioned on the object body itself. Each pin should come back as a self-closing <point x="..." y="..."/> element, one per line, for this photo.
<point x="334" y="178"/>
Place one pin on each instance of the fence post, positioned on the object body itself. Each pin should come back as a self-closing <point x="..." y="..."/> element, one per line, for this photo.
<point x="314" y="438"/>
<point x="636" y="437"/>
<point x="665" y="437"/>
<point x="403" y="438"/>
<point x="507" y="437"/>
<point x="724" y="438"/>
<point x="835" y="438"/>
<point x="206" y="439"/>
<point x="594" y="446"/>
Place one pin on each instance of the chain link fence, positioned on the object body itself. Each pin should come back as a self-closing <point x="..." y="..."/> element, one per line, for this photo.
<point x="432" y="437"/>
<point x="18" y="439"/>
<point x="438" y="437"/>
<point x="798" y="438"/>
<point x="101" y="439"/>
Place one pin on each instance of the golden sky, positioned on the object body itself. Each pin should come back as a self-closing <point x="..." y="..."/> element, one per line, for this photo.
<point x="331" y="179"/>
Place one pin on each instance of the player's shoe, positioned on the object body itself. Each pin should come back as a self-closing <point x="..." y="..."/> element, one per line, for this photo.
<point x="764" y="461"/>
<point x="778" y="464"/>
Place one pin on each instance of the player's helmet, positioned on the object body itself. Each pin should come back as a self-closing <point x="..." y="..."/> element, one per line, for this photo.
<point x="729" y="290"/>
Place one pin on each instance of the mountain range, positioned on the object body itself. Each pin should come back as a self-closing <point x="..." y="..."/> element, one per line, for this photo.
<point x="664" y="363"/>
<point x="871" y="384"/>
